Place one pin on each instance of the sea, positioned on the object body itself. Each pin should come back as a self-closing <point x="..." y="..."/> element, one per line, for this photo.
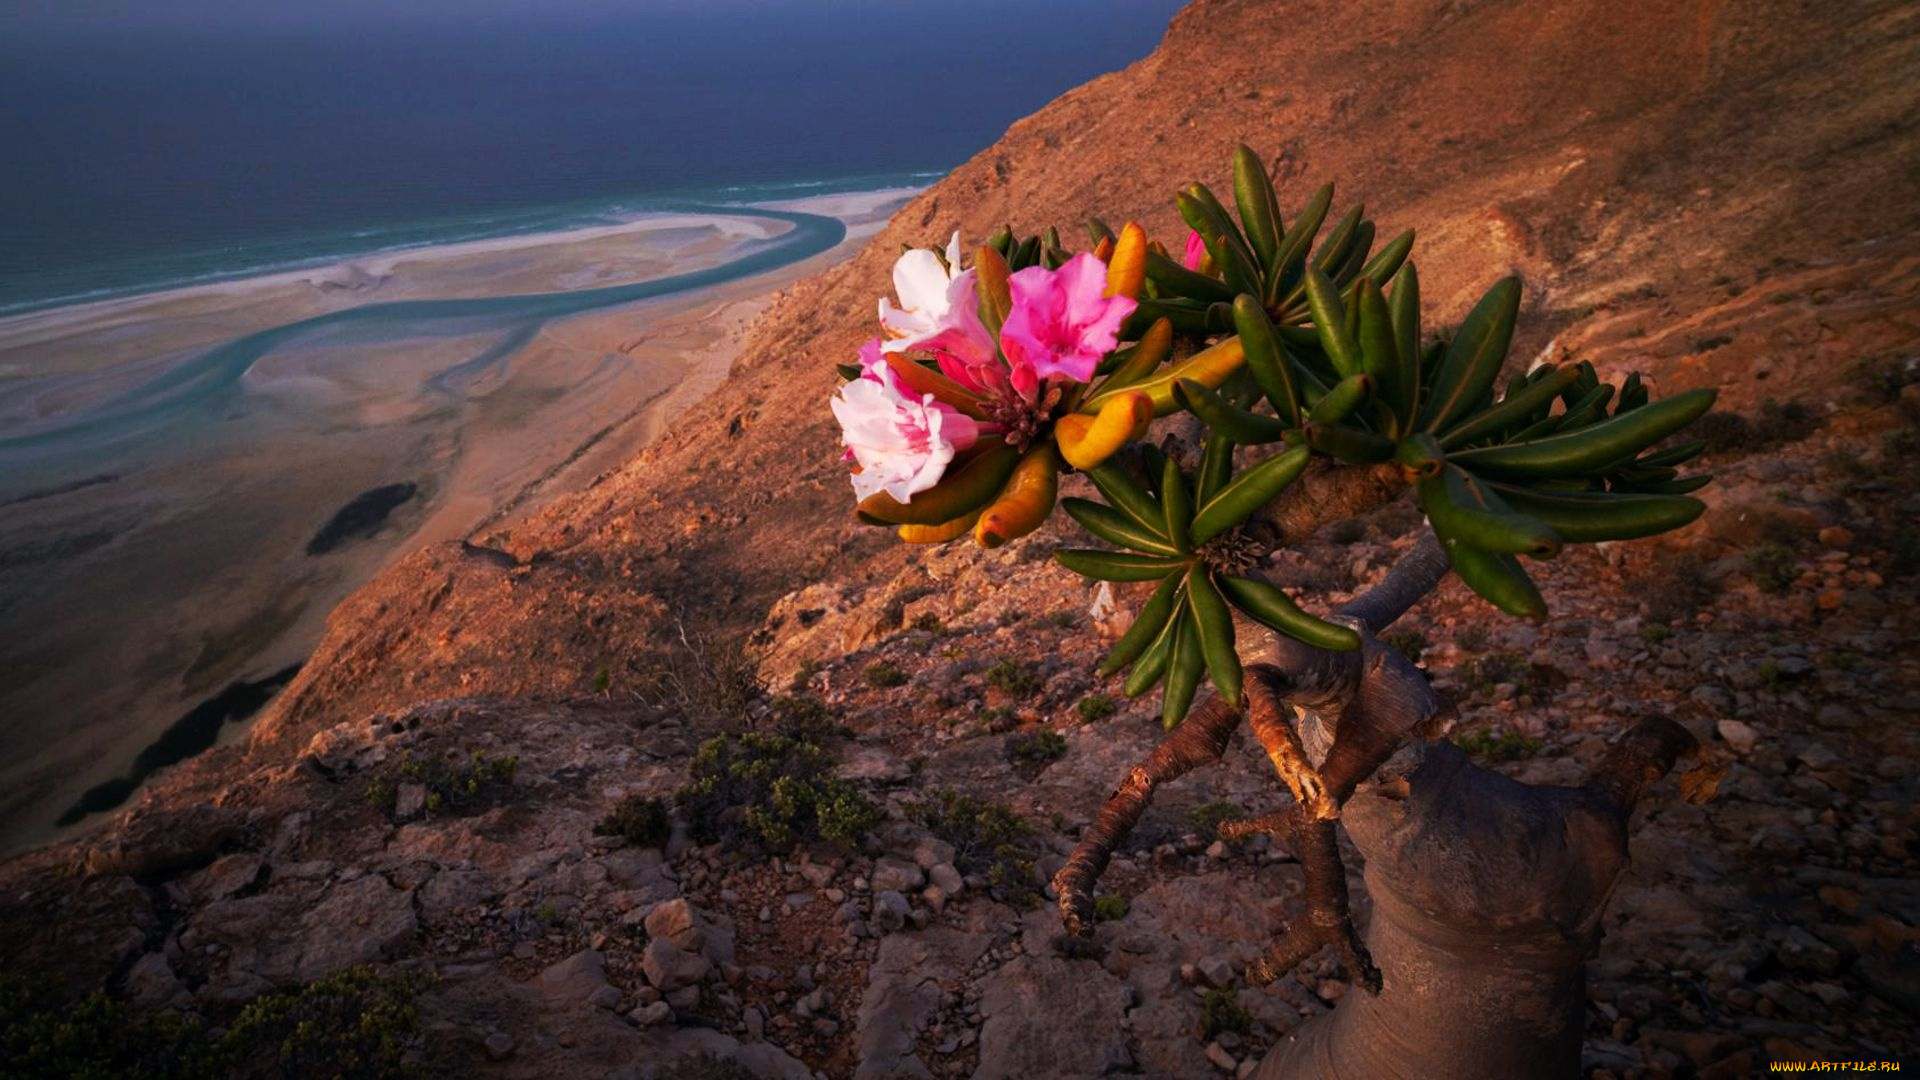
<point x="153" y="146"/>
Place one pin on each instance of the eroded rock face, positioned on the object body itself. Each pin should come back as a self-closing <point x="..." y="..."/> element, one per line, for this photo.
<point x="1027" y="998"/>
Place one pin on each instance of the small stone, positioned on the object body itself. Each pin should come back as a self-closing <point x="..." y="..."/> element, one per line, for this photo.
<point x="607" y="997"/>
<point x="409" y="800"/>
<point x="1221" y="1060"/>
<point x="947" y="879"/>
<point x="1740" y="736"/>
<point x="1831" y="993"/>
<point x="1215" y="971"/>
<point x="1836" y="536"/>
<point x="500" y="1046"/>
<point x="669" y="967"/>
<point x="675" y="921"/>
<point x="228" y="875"/>
<point x="577" y="978"/>
<point x="930" y="852"/>
<point x="649" y="1015"/>
<point x="890" y="912"/>
<point x="1713" y="697"/>
<point x="897" y="875"/>
<point x="1801" y="951"/>
<point x="687" y="997"/>
<point x="1819" y="758"/>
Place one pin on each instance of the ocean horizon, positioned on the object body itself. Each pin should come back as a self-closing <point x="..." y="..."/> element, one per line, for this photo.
<point x="159" y="151"/>
<point x="191" y="268"/>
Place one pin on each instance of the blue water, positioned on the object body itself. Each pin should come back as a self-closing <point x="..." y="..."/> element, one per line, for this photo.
<point x="203" y="385"/>
<point x="151" y="145"/>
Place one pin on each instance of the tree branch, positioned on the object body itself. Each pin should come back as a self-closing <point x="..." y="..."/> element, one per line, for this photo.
<point x="1328" y="492"/>
<point x="1199" y="740"/>
<point x="1417" y="573"/>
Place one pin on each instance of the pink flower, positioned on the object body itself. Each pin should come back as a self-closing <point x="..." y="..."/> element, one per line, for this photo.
<point x="1196" y="252"/>
<point x="873" y="364"/>
<point x="1061" y="322"/>
<point x="939" y="311"/>
<point x="902" y="445"/>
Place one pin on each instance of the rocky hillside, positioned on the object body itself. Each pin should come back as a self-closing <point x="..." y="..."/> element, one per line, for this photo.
<point x="1715" y="194"/>
<point x="1656" y="181"/>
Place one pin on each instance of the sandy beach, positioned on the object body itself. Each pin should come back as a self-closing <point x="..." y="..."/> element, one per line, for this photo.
<point x="143" y="573"/>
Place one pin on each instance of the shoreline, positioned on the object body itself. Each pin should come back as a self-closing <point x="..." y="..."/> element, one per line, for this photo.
<point x="198" y="545"/>
<point x="571" y="219"/>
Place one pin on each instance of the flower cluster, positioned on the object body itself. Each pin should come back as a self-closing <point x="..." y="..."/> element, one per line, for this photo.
<point x="974" y="367"/>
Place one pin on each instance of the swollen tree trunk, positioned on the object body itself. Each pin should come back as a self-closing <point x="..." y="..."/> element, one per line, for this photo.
<point x="1487" y="896"/>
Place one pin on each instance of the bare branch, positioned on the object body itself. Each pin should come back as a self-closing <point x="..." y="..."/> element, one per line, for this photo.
<point x="1199" y="740"/>
<point x="1417" y="573"/>
<point x="1269" y="717"/>
<point x="1329" y="915"/>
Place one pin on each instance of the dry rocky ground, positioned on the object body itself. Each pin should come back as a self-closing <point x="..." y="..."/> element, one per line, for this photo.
<point x="1779" y="920"/>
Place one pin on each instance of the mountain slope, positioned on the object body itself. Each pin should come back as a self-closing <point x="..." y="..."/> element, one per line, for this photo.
<point x="1634" y="171"/>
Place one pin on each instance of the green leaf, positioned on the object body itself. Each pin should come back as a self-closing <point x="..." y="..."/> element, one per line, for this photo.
<point x="1277" y="610"/>
<point x="1117" y="565"/>
<point x="1146" y="626"/>
<point x="1213" y="625"/>
<point x="1589" y="449"/>
<point x="1474" y="357"/>
<point x="1248" y="492"/>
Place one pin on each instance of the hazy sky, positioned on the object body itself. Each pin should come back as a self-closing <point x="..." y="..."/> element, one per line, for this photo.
<point x="39" y="17"/>
<point x="238" y="133"/>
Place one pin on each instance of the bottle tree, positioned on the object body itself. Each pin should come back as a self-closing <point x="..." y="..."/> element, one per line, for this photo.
<point x="1266" y="382"/>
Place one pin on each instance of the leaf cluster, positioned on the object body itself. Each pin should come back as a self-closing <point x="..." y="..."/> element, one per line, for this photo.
<point x="453" y="784"/>
<point x="353" y="1022"/>
<point x="774" y="789"/>
<point x="989" y="840"/>
<point x="1335" y="367"/>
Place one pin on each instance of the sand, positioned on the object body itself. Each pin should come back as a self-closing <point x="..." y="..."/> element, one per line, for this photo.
<point x="137" y="582"/>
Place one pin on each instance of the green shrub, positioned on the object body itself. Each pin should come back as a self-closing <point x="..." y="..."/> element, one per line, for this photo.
<point x="779" y="787"/>
<point x="452" y="784"/>
<point x="1484" y="673"/>
<point x="1109" y="907"/>
<point x="1773" y="567"/>
<point x="1220" y="1012"/>
<point x="352" y="1023"/>
<point x="1209" y="816"/>
<point x="1096" y="707"/>
<point x="1497" y="747"/>
<point x="44" y="1035"/>
<point x="1013" y="677"/>
<point x="1471" y="639"/>
<point x="885" y="674"/>
<point x="642" y="820"/>
<point x="988" y="839"/>
<point x="1038" y="745"/>
<point x="806" y="719"/>
<point x="1410" y="643"/>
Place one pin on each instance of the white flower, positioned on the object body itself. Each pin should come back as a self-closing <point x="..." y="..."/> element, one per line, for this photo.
<point x="901" y="444"/>
<point x="939" y="311"/>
